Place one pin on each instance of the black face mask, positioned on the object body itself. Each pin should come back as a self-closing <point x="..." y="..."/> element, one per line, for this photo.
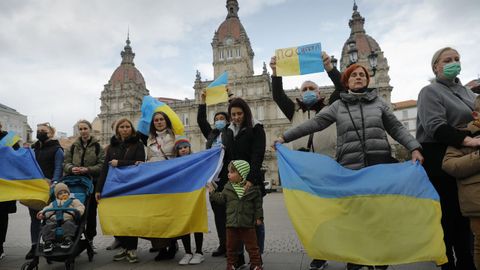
<point x="42" y="136"/>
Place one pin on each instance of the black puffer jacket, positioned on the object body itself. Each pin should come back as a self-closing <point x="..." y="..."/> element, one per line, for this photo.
<point x="126" y="152"/>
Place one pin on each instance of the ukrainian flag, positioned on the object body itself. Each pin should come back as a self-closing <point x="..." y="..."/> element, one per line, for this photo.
<point x="217" y="90"/>
<point x="299" y="60"/>
<point x="161" y="199"/>
<point x="150" y="106"/>
<point x="10" y="139"/>
<point x="20" y="176"/>
<point x="381" y="215"/>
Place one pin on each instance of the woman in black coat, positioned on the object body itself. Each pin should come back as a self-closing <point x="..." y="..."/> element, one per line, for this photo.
<point x="125" y="149"/>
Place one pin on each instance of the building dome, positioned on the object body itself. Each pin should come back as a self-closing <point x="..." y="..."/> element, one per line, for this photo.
<point x="230" y="28"/>
<point x="127" y="72"/>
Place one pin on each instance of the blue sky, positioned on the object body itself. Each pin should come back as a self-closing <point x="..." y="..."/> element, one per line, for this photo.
<point x="57" y="55"/>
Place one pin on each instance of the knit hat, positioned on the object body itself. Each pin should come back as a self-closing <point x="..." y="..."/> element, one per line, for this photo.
<point x="242" y="167"/>
<point x="59" y="187"/>
<point x="181" y="140"/>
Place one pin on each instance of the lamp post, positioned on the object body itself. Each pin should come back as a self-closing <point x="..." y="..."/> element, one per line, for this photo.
<point x="352" y="50"/>
<point x="372" y="59"/>
<point x="334" y="61"/>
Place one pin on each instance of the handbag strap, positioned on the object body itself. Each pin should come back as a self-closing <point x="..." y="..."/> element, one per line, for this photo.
<point x="362" y="141"/>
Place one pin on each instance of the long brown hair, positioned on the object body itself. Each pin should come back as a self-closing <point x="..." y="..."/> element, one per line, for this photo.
<point x="247" y="113"/>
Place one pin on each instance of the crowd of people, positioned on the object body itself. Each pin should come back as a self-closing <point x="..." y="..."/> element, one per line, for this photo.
<point x="351" y="127"/>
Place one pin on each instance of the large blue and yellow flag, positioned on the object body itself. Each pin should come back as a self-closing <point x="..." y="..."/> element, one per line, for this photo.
<point x="150" y="106"/>
<point x="160" y="199"/>
<point x="381" y="215"/>
<point x="217" y="90"/>
<point x="21" y="177"/>
<point x="299" y="60"/>
<point x="10" y="139"/>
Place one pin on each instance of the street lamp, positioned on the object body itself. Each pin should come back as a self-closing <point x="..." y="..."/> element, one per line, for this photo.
<point x="372" y="59"/>
<point x="334" y="61"/>
<point x="352" y="50"/>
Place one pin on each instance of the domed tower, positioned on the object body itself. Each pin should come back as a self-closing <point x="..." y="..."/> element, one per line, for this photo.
<point x="232" y="51"/>
<point x="363" y="49"/>
<point x="122" y="96"/>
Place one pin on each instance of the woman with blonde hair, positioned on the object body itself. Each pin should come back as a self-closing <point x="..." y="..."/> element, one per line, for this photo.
<point x="444" y="106"/>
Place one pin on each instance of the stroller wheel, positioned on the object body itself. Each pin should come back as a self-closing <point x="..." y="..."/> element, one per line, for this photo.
<point x="29" y="266"/>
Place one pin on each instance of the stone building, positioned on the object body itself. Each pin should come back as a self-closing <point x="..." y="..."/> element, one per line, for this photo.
<point x="14" y="121"/>
<point x="122" y="95"/>
<point x="232" y="52"/>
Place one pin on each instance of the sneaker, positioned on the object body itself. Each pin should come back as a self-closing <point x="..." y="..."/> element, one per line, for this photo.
<point x="318" y="264"/>
<point x="121" y="255"/>
<point x="186" y="259"/>
<point x="240" y="262"/>
<point x="47" y="247"/>
<point x="67" y="243"/>
<point x="114" y="245"/>
<point x="197" y="259"/>
<point x="220" y="251"/>
<point x="132" y="256"/>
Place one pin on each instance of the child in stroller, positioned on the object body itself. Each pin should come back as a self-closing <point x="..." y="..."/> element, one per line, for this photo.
<point x="60" y="225"/>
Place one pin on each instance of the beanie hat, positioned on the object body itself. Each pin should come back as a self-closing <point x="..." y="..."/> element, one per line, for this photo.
<point x="346" y="74"/>
<point x="181" y="141"/>
<point x="59" y="187"/>
<point x="242" y="167"/>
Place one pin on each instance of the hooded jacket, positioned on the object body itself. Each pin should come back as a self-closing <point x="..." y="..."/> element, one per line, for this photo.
<point x="90" y="156"/>
<point x="241" y="212"/>
<point x="372" y="119"/>
<point x="464" y="164"/>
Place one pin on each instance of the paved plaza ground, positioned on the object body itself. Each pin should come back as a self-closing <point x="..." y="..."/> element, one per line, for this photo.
<point x="283" y="251"/>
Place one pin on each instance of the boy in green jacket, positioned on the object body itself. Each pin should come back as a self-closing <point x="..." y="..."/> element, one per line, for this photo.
<point x="244" y="210"/>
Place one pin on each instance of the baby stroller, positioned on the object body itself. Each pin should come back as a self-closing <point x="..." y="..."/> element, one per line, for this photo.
<point x="81" y="188"/>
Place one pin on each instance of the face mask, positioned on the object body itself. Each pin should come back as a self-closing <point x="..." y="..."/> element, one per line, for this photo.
<point x="42" y="136"/>
<point x="451" y="70"/>
<point x="309" y="98"/>
<point x="219" y="124"/>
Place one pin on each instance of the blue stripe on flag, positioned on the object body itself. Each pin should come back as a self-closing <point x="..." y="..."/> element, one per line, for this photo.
<point x="322" y="176"/>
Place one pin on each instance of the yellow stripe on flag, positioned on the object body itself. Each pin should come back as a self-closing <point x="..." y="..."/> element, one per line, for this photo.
<point x="368" y="230"/>
<point x="154" y="215"/>
<point x="287" y="62"/>
<point x="216" y="94"/>
<point x="36" y="190"/>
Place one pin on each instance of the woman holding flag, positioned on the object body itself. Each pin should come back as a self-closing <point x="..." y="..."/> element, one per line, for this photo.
<point x="125" y="149"/>
<point x="216" y="137"/>
<point x="363" y="120"/>
<point x="160" y="144"/>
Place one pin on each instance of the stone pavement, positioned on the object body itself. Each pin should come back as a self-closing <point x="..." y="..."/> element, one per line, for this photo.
<point x="282" y="249"/>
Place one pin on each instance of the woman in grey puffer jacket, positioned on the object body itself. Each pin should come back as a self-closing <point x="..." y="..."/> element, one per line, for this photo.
<point x="362" y="122"/>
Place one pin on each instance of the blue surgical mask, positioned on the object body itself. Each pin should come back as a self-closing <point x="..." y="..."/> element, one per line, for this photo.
<point x="309" y="98"/>
<point x="220" y="124"/>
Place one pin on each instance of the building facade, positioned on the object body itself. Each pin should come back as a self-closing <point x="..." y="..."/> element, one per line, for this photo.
<point x="14" y="121"/>
<point x="122" y="95"/>
<point x="406" y="112"/>
<point x="232" y="52"/>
